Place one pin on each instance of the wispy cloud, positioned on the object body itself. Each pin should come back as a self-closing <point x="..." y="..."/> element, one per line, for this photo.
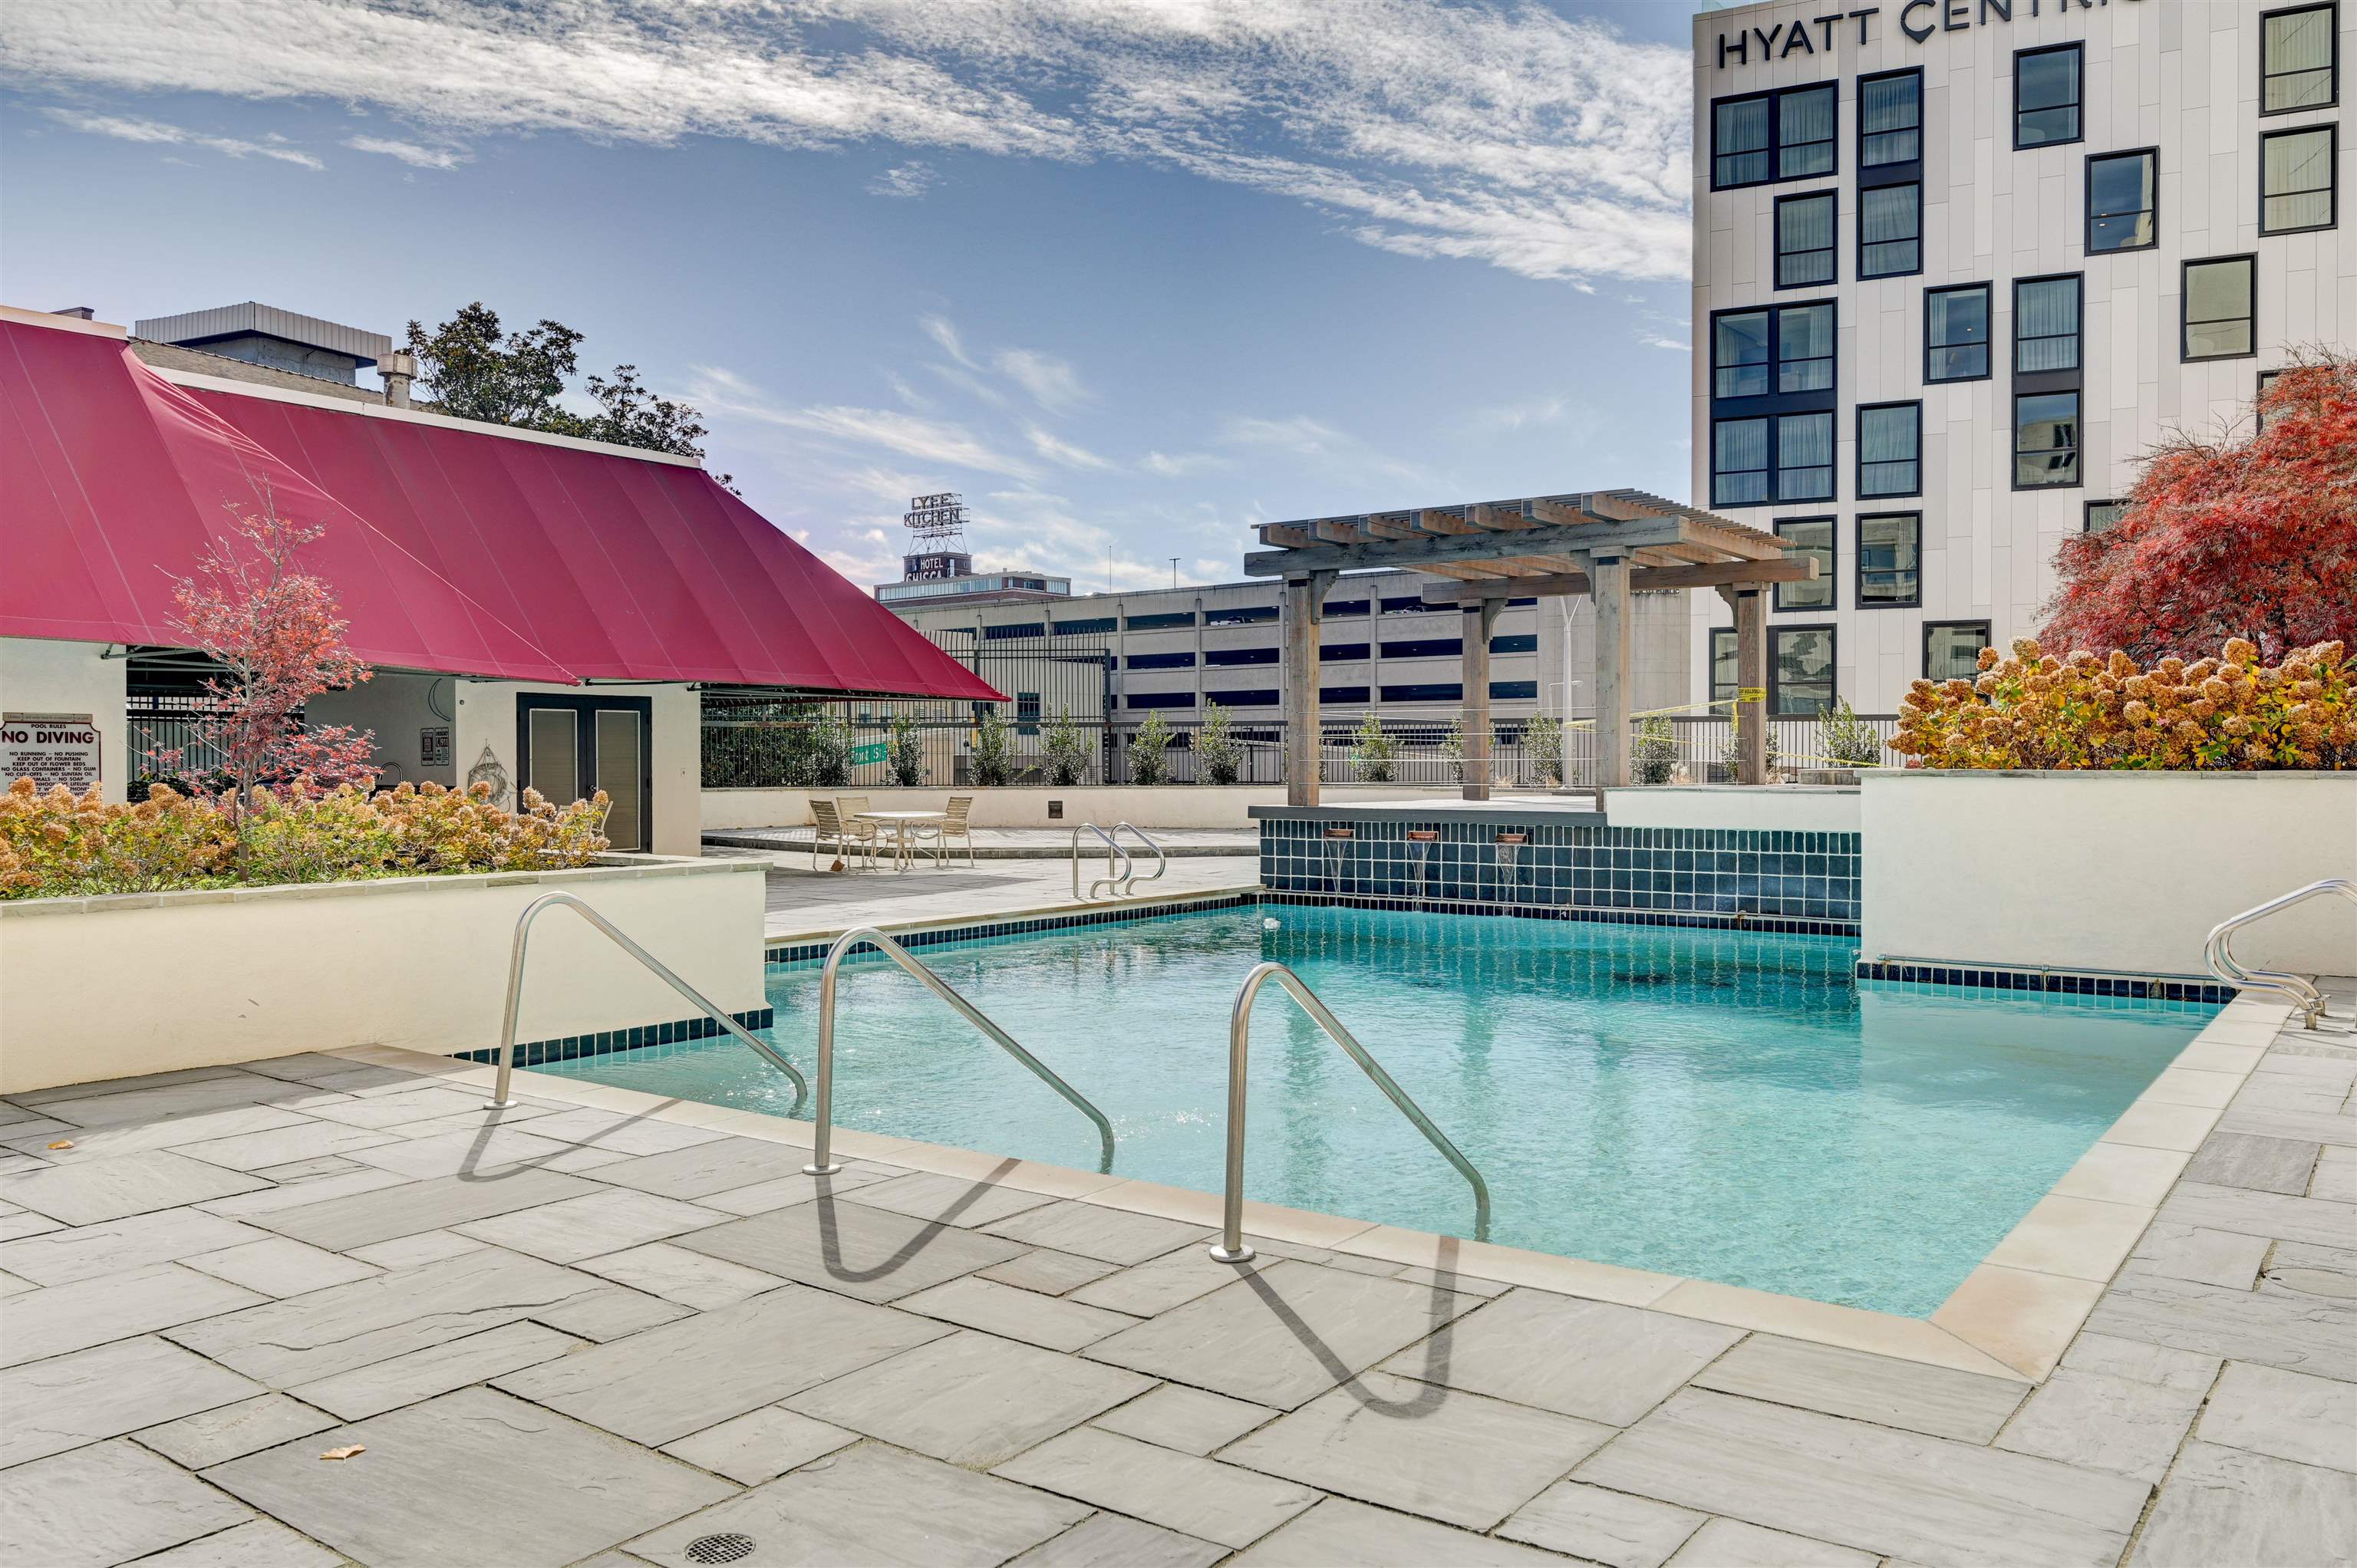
<point x="410" y="153"/>
<point x="1054" y="384"/>
<point x="1181" y="466"/>
<point x="905" y="181"/>
<point x="942" y="330"/>
<point x="126" y="128"/>
<point x="724" y="394"/>
<point x="1060" y="451"/>
<point x="1498" y="132"/>
<point x="1313" y="440"/>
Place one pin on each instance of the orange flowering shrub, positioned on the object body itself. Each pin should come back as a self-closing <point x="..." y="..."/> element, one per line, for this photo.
<point x="64" y="845"/>
<point x="2037" y="709"/>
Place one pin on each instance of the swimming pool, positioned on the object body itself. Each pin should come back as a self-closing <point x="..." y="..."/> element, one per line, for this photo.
<point x="1721" y="1104"/>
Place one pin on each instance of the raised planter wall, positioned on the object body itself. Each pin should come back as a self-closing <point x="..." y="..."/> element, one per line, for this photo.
<point x="2121" y="871"/>
<point x="1774" y="808"/>
<point x="102" y="988"/>
<point x="1148" y="806"/>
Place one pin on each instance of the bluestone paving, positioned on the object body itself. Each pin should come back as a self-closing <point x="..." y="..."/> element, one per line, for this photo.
<point x="211" y="1436"/>
<point x="1190" y="1420"/>
<point x="281" y="1266"/>
<point x="1589" y="1359"/>
<point x="107" y="1390"/>
<point x="760" y="1444"/>
<point x="344" y="1223"/>
<point x="2104" y="1422"/>
<point x="61" y="1318"/>
<point x="2311" y="1421"/>
<point x="2225" y="1506"/>
<point x="472" y="1477"/>
<point x="1108" y="1540"/>
<point x="257" y="1543"/>
<point x="105" y="1504"/>
<point x="1110" y="1235"/>
<point x="924" y="1196"/>
<point x="1339" y="1530"/>
<point x="584" y="1227"/>
<point x="95" y="1191"/>
<point x="1201" y="1498"/>
<point x="285" y="1145"/>
<point x="842" y="1246"/>
<point x="677" y="1274"/>
<point x="1932" y="1400"/>
<point x="85" y="1252"/>
<point x="1610" y="1528"/>
<point x="106" y="1143"/>
<point x="717" y="1165"/>
<point x="420" y="1375"/>
<point x="1017" y="1314"/>
<point x="1731" y="1543"/>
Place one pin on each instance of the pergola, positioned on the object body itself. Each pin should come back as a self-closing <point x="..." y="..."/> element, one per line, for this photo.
<point x="1605" y="543"/>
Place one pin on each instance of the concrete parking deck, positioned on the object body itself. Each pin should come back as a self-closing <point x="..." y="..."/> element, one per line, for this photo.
<point x="600" y="1328"/>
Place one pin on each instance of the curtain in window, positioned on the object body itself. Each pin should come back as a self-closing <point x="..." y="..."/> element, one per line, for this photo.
<point x="1739" y="138"/>
<point x="1804" y="348"/>
<point x="2046" y="324"/>
<point x="1802" y="227"/>
<point x="1740" y="461"/>
<point x="1805" y="118"/>
<point x="1804" y="457"/>
<point x="2296" y="172"/>
<point x="1887" y="222"/>
<point x="1887" y="442"/>
<point x="1891" y="116"/>
<point x="2217" y="309"/>
<point x="2299" y="60"/>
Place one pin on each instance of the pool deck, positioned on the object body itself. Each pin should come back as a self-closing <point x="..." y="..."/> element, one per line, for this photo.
<point x="598" y="1328"/>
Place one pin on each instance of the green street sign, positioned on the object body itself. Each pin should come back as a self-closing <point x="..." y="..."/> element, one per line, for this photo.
<point x="873" y="751"/>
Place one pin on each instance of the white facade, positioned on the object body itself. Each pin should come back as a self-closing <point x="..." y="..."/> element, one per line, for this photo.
<point x="2179" y="78"/>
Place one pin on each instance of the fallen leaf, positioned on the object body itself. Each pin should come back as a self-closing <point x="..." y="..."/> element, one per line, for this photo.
<point x="62" y="1144"/>
<point x="345" y="1453"/>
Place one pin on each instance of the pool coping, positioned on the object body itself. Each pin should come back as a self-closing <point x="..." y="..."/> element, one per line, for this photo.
<point x="2012" y="1317"/>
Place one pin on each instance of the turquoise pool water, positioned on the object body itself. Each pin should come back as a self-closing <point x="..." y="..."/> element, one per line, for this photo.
<point x="1719" y="1104"/>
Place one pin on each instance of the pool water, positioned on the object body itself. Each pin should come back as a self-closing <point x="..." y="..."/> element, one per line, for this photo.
<point x="1724" y="1105"/>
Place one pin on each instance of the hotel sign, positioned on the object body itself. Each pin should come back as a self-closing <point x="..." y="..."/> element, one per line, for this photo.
<point x="1918" y="20"/>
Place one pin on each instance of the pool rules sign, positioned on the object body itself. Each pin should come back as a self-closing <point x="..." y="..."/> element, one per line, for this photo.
<point x="50" y="749"/>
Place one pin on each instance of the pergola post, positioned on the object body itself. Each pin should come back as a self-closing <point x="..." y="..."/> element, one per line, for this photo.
<point x="1305" y="599"/>
<point x="1750" y="607"/>
<point x="1478" y="621"/>
<point x="1607" y="576"/>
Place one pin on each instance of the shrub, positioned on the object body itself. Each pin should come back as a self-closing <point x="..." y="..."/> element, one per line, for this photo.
<point x="1067" y="751"/>
<point x="830" y="752"/>
<point x="1217" y="751"/>
<point x="64" y="845"/>
<point x="1846" y="739"/>
<point x="1656" y="753"/>
<point x="2035" y="710"/>
<point x="908" y="753"/>
<point x="1543" y="747"/>
<point x="1373" y="750"/>
<point x="1734" y="753"/>
<point x="992" y="749"/>
<point x="1148" y="763"/>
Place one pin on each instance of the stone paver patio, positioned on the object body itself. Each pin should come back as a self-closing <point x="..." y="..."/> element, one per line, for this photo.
<point x="594" y="1329"/>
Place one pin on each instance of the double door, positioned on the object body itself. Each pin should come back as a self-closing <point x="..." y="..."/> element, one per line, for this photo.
<point x="574" y="747"/>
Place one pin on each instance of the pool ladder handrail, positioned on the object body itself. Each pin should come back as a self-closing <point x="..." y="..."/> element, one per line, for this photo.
<point x="2219" y="949"/>
<point x="821" y="1149"/>
<point x="1161" y="860"/>
<point x="501" y="1100"/>
<point x="1111" y="878"/>
<point x="1230" y="1247"/>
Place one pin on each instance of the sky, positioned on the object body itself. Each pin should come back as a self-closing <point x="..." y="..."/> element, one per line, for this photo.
<point x="1130" y="275"/>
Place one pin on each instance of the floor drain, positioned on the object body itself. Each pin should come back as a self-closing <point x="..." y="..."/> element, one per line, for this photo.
<point x="730" y="1548"/>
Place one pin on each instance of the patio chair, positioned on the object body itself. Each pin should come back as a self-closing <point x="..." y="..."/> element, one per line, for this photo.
<point x="936" y="835"/>
<point x="850" y="839"/>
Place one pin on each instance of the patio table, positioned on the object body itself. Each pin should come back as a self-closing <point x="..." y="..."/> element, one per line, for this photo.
<point x="900" y="823"/>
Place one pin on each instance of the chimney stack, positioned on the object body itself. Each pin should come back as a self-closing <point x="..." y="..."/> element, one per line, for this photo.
<point x="398" y="369"/>
<point x="78" y="312"/>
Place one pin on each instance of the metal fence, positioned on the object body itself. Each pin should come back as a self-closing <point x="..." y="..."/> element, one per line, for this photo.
<point x="158" y="723"/>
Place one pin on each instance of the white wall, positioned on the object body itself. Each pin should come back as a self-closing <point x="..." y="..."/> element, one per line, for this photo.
<point x="1167" y="806"/>
<point x="487" y="717"/>
<point x="2125" y="871"/>
<point x="1774" y="808"/>
<point x="42" y="676"/>
<point x="107" y="988"/>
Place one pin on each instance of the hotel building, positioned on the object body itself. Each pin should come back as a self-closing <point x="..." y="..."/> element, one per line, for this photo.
<point x="1958" y="265"/>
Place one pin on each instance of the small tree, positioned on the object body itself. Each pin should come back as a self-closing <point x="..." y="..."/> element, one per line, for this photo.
<point x="1847" y="739"/>
<point x="273" y="630"/>
<point x="1147" y="761"/>
<point x="1656" y="755"/>
<point x="908" y="753"/>
<point x="1734" y="752"/>
<point x="2246" y="536"/>
<point x="992" y="749"/>
<point x="830" y="753"/>
<point x="1543" y="747"/>
<point x="1067" y="751"/>
<point x="1217" y="751"/>
<point x="1373" y="750"/>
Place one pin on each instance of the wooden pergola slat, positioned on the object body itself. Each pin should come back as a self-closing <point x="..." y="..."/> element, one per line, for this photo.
<point x="1607" y="545"/>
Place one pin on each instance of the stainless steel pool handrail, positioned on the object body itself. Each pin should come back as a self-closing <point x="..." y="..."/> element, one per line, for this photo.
<point x="2219" y="949"/>
<point x="500" y="1098"/>
<point x="1161" y="860"/>
<point x="821" y="1164"/>
<point x="1230" y="1247"/>
<point x="1111" y="878"/>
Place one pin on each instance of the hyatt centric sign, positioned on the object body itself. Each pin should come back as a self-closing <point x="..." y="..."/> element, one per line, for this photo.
<point x="1918" y="20"/>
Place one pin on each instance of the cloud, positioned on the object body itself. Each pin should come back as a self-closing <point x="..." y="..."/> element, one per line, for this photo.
<point x="124" y="128"/>
<point x="1181" y="466"/>
<point x="1064" y="452"/>
<point x="1500" y="132"/>
<point x="411" y="152"/>
<point x="1054" y="384"/>
<point x="724" y="394"/>
<point x="943" y="331"/>
<point x="1510" y="417"/>
<point x="1330" y="449"/>
<point x="909" y="180"/>
<point x="1653" y="340"/>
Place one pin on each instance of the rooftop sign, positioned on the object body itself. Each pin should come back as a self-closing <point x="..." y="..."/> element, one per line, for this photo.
<point x="1918" y="19"/>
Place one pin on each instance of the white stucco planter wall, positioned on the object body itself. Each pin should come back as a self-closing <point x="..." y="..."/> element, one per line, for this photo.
<point x="1770" y="808"/>
<point x="2125" y="871"/>
<point x="1148" y="806"/>
<point x="102" y="988"/>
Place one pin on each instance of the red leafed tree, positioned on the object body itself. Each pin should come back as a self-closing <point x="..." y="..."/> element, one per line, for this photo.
<point x="273" y="630"/>
<point x="2254" y="535"/>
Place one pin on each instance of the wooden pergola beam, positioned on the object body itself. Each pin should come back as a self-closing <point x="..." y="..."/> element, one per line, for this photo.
<point x="1644" y="580"/>
<point x="1478" y="544"/>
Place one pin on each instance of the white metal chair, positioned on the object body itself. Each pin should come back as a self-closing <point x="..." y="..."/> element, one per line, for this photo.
<point x="936" y="836"/>
<point x="851" y="839"/>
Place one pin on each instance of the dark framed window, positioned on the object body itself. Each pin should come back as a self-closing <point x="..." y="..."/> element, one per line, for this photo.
<point x="1086" y="627"/>
<point x="1026" y="712"/>
<point x="1890" y="560"/>
<point x="1738" y="462"/>
<point x="1341" y="652"/>
<point x="1514" y="690"/>
<point x="1804" y="458"/>
<point x="1800" y="668"/>
<point x="2300" y="59"/>
<point x="1798" y="339"/>
<point x="2101" y="515"/>
<point x="1427" y="692"/>
<point x="2122" y="201"/>
<point x="1739" y="353"/>
<point x="1805" y="239"/>
<point x="2046" y="325"/>
<point x="1163" y="621"/>
<point x="1343" y="694"/>
<point x="2218" y="306"/>
<point x="1890" y="118"/>
<point x="1516" y="642"/>
<point x="1161" y="699"/>
<point x="2266" y="380"/>
<point x="1425" y="647"/>
<point x="1891" y="230"/>
<point x="1763" y="138"/>
<point x="1239" y="656"/>
<point x="1952" y="649"/>
<point x="1722" y="664"/>
<point x="2045" y="440"/>
<point x="1890" y="450"/>
<point x="1261" y="697"/>
<point x="1160" y="660"/>
<point x="2298" y="188"/>
<point x="1956" y="333"/>
<point x="1804" y="347"/>
<point x="2046" y="95"/>
<point x="1338" y="608"/>
<point x="1812" y="537"/>
<point x="1014" y="628"/>
<point x="1241" y="615"/>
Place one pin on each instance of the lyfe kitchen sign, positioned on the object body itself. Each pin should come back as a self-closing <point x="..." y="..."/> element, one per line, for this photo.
<point x="1918" y="20"/>
<point x="49" y="750"/>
